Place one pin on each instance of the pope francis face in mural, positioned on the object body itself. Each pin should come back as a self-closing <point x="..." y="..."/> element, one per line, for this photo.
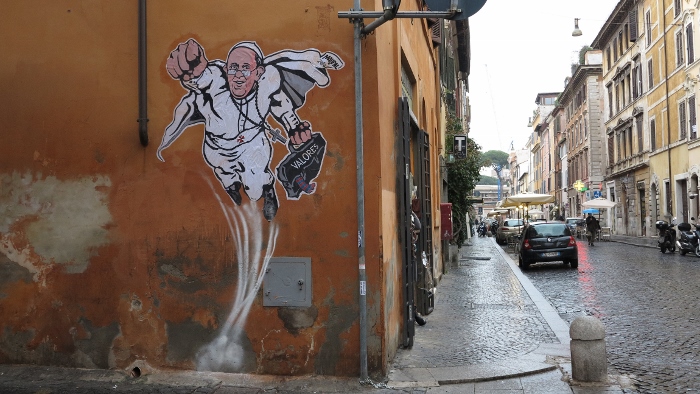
<point x="235" y="99"/>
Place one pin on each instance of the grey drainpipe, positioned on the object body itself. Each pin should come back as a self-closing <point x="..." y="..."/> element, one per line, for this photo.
<point x="143" y="84"/>
<point x="360" y="194"/>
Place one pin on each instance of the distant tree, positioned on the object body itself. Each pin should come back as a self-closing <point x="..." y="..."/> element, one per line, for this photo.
<point x="462" y="176"/>
<point x="498" y="160"/>
<point x="487" y="180"/>
<point x="582" y="54"/>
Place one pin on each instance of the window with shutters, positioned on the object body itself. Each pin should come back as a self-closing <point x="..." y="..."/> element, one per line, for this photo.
<point x="647" y="24"/>
<point x="619" y="147"/>
<point x="692" y="126"/>
<point x="689" y="43"/>
<point x="650" y="70"/>
<point x="615" y="49"/>
<point x="681" y="121"/>
<point x="607" y="58"/>
<point x="633" y="24"/>
<point x="676" y="8"/>
<point x="435" y="25"/>
<point x="679" y="49"/>
<point x="620" y="42"/>
<point x="629" y="141"/>
<point x="610" y="101"/>
<point x="639" y="80"/>
<point x="640" y="136"/>
<point x="635" y="92"/>
<point x="611" y="150"/>
<point x="652" y="134"/>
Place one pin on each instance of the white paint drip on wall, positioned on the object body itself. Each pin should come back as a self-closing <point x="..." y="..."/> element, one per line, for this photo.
<point x="64" y="220"/>
<point x="247" y="227"/>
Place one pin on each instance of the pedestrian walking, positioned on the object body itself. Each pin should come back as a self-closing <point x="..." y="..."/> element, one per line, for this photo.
<point x="592" y="227"/>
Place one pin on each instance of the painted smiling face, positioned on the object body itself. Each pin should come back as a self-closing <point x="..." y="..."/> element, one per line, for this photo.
<point x="243" y="71"/>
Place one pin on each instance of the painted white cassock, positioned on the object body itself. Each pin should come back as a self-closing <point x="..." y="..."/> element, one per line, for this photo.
<point x="235" y="145"/>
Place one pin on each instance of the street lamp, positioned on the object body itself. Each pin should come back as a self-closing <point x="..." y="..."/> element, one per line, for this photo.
<point x="577" y="32"/>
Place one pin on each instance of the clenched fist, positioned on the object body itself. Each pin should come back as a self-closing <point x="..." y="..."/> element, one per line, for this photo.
<point x="301" y="133"/>
<point x="187" y="61"/>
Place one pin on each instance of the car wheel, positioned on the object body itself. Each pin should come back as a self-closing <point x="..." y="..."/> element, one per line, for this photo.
<point x="574" y="263"/>
<point x="682" y="252"/>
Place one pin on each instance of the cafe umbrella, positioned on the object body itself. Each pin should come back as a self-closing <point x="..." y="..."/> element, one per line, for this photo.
<point x="597" y="203"/>
<point x="527" y="199"/>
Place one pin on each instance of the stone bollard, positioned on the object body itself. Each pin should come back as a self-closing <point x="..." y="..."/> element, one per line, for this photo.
<point x="589" y="361"/>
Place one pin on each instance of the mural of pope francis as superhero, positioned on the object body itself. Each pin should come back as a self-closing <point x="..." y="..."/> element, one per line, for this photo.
<point x="234" y="100"/>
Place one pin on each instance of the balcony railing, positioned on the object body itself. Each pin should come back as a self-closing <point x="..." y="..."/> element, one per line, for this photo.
<point x="629" y="163"/>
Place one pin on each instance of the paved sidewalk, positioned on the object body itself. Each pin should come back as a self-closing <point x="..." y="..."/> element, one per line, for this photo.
<point x="491" y="331"/>
<point x="490" y="324"/>
<point x="647" y="242"/>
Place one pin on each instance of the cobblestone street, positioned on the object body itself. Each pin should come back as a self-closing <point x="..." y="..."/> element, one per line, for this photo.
<point x="648" y="302"/>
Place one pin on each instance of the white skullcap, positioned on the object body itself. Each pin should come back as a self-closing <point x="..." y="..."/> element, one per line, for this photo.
<point x="250" y="45"/>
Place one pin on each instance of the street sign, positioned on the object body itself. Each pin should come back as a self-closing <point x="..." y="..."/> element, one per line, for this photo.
<point x="460" y="146"/>
<point x="597" y="194"/>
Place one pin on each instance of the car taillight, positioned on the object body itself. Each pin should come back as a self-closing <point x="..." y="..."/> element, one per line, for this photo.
<point x="526" y="244"/>
<point x="572" y="241"/>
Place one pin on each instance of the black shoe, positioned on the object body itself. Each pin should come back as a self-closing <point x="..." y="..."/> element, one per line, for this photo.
<point x="234" y="192"/>
<point x="270" y="206"/>
<point x="420" y="320"/>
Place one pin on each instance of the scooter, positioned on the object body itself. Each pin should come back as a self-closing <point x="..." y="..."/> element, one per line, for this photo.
<point x="482" y="229"/>
<point x="689" y="241"/>
<point x="667" y="235"/>
<point x="494" y="228"/>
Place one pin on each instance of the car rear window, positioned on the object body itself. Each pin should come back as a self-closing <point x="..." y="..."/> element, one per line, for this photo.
<point x="513" y="223"/>
<point x="548" y="230"/>
<point x="571" y="221"/>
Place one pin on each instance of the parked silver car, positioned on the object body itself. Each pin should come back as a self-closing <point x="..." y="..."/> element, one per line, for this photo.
<point x="508" y="228"/>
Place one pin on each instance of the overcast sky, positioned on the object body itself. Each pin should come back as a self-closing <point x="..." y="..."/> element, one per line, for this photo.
<point x="518" y="49"/>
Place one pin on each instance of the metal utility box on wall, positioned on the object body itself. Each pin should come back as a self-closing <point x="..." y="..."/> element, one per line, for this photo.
<point x="446" y="221"/>
<point x="287" y="282"/>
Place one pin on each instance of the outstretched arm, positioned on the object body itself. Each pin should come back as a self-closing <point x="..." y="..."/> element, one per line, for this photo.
<point x="187" y="61"/>
<point x="283" y="111"/>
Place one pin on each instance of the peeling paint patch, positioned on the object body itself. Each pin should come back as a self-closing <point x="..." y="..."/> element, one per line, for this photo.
<point x="92" y="348"/>
<point x="47" y="220"/>
<point x="185" y="339"/>
<point x="172" y="271"/>
<point x="295" y="319"/>
<point x="342" y="253"/>
<point x="340" y="319"/>
<point x="11" y="272"/>
<point x="94" y="351"/>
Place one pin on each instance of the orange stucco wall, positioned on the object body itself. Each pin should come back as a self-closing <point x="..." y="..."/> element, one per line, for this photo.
<point x="113" y="257"/>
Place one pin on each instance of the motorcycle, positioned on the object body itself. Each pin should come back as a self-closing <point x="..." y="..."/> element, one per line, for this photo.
<point x="482" y="229"/>
<point x="689" y="241"/>
<point x="494" y="228"/>
<point x="667" y="235"/>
